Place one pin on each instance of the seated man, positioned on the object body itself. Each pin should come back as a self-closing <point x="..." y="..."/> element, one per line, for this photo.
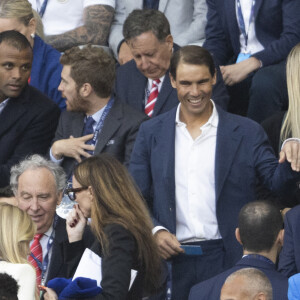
<point x="38" y="185"/>
<point x="94" y="120"/>
<point x="77" y="22"/>
<point x="247" y="284"/>
<point x="261" y="235"/>
<point x="144" y="82"/>
<point x="251" y="40"/>
<point x="187" y="21"/>
<point x="28" y="118"/>
<point x="197" y="166"/>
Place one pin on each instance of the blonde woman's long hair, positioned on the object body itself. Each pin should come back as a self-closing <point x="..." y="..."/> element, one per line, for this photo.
<point x="291" y="125"/>
<point x="21" y="10"/>
<point x="16" y="231"/>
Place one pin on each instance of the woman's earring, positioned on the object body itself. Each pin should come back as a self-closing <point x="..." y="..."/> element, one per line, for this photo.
<point x="32" y="35"/>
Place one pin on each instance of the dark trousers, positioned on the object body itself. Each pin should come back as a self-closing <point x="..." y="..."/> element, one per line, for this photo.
<point x="188" y="270"/>
<point x="260" y="95"/>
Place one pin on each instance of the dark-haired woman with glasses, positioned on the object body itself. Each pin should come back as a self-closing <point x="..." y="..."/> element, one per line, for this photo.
<point x="105" y="192"/>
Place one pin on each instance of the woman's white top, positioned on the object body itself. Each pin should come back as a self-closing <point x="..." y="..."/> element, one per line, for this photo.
<point x="25" y="276"/>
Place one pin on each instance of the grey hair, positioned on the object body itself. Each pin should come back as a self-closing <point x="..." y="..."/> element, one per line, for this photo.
<point x="257" y="282"/>
<point x="34" y="162"/>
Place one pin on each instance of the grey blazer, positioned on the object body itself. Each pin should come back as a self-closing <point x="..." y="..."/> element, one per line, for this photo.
<point x="187" y="20"/>
<point x="117" y="136"/>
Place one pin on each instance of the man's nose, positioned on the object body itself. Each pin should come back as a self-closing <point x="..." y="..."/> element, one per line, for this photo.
<point x="34" y="205"/>
<point x="16" y="73"/>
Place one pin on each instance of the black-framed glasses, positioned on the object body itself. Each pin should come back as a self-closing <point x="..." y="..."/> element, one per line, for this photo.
<point x="71" y="192"/>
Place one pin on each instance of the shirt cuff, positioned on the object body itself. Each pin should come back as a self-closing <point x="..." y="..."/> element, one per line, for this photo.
<point x="290" y="139"/>
<point x="158" y="228"/>
<point x="53" y="159"/>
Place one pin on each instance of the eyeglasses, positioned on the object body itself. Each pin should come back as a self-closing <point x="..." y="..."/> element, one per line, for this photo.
<point x="71" y="192"/>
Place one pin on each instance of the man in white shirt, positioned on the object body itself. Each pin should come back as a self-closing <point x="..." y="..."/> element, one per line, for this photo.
<point x="250" y="40"/>
<point x="69" y="23"/>
<point x="197" y="166"/>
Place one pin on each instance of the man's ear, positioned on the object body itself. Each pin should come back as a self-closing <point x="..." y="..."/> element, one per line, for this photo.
<point x="215" y="78"/>
<point x="59" y="198"/>
<point x="238" y="236"/>
<point x="280" y="237"/>
<point x="85" y="90"/>
<point x="169" y="41"/>
<point x="260" y="296"/>
<point x="173" y="81"/>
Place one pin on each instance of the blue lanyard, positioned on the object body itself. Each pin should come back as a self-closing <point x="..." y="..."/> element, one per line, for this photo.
<point x="43" y="8"/>
<point x="100" y="124"/>
<point x="43" y="266"/>
<point x="241" y="21"/>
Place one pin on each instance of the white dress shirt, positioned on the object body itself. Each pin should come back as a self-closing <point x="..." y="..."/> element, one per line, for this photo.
<point x="195" y="181"/>
<point x="254" y="45"/>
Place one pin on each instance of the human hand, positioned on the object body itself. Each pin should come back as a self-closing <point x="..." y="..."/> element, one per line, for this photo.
<point x="72" y="147"/>
<point x="236" y="73"/>
<point x="75" y="224"/>
<point x="167" y="243"/>
<point x="291" y="153"/>
<point x="125" y="54"/>
<point x="50" y="294"/>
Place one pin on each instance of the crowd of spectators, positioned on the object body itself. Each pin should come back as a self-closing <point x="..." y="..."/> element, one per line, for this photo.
<point x="156" y="125"/>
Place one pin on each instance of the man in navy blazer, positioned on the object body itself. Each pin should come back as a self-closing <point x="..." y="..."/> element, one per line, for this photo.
<point x="196" y="166"/>
<point x="147" y="33"/>
<point x="264" y="42"/>
<point x="261" y="235"/>
<point x="28" y="119"/>
<point x="289" y="259"/>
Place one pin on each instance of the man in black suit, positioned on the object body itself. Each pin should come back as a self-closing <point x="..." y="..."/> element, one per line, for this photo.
<point x="28" y="118"/>
<point x="94" y="122"/>
<point x="38" y="186"/>
<point x="261" y="235"/>
<point x="147" y="33"/>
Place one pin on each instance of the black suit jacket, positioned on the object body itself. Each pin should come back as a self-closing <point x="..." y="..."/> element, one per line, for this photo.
<point x="27" y="126"/>
<point x="116" y="137"/>
<point x="116" y="265"/>
<point x="131" y="85"/>
<point x="57" y="266"/>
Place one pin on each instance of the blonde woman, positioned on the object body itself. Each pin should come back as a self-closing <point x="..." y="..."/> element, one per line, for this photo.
<point x="16" y="231"/>
<point x="46" y="68"/>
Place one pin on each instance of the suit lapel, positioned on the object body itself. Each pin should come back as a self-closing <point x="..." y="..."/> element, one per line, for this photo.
<point x="77" y="124"/>
<point x="257" y="6"/>
<point x="162" y="5"/>
<point x="110" y="126"/>
<point x="14" y="109"/>
<point x="231" y="20"/>
<point x="166" y="141"/>
<point x="163" y="95"/>
<point x="228" y="141"/>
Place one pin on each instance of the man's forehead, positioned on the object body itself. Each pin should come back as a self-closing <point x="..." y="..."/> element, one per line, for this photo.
<point x="37" y="177"/>
<point x="9" y="51"/>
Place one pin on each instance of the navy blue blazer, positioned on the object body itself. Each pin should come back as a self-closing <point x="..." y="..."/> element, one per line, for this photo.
<point x="131" y="85"/>
<point x="211" y="288"/>
<point x="243" y="154"/>
<point x="289" y="259"/>
<point x="277" y="27"/>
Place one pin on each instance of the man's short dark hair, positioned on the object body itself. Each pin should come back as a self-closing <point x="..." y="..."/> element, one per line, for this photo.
<point x="140" y="21"/>
<point x="192" y="55"/>
<point x="15" y="39"/>
<point x="259" y="225"/>
<point x="91" y="65"/>
<point x="8" y="287"/>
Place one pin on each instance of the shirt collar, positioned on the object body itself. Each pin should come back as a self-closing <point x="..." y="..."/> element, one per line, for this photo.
<point x="49" y="231"/>
<point x="97" y="115"/>
<point x="213" y="119"/>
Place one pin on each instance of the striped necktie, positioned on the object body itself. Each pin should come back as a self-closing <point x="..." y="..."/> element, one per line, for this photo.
<point x="36" y="254"/>
<point x="152" y="98"/>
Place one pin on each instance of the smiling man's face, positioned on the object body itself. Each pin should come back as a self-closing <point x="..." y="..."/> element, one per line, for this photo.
<point x="38" y="196"/>
<point x="15" y="67"/>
